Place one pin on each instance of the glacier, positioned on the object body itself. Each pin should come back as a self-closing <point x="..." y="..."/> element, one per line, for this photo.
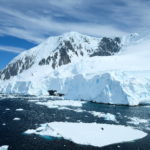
<point x="123" y="78"/>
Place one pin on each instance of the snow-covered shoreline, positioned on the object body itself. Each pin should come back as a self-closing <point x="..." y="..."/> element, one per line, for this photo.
<point x="123" y="78"/>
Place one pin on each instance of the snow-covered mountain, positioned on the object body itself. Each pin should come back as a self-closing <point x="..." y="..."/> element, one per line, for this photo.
<point x="109" y="70"/>
<point x="61" y="50"/>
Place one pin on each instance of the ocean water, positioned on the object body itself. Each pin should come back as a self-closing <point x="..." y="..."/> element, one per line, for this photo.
<point x="12" y="131"/>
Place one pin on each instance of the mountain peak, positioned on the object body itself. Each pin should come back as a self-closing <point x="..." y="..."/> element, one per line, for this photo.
<point x="72" y="33"/>
<point x="61" y="50"/>
<point x="77" y="35"/>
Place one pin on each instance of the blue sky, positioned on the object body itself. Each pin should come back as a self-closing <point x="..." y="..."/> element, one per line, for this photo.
<point x="24" y="24"/>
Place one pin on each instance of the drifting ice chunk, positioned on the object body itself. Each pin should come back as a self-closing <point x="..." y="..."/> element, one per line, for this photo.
<point x="4" y="147"/>
<point x="16" y="119"/>
<point x="89" y="133"/>
<point x="19" y="109"/>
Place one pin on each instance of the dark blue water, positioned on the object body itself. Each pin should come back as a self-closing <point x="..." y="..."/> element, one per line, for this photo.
<point x="33" y="115"/>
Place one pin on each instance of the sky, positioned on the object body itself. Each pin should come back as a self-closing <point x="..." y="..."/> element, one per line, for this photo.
<point x="26" y="23"/>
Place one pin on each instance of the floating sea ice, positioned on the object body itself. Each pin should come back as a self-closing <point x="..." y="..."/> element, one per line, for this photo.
<point x="89" y="133"/>
<point x="19" y="109"/>
<point x="4" y="147"/>
<point x="16" y="119"/>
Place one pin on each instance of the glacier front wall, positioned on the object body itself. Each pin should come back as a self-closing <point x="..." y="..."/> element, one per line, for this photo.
<point x="112" y="88"/>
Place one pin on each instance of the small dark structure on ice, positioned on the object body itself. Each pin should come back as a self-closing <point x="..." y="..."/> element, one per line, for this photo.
<point x="54" y="93"/>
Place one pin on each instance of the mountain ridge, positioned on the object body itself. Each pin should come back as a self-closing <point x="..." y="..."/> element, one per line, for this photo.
<point x="60" y="50"/>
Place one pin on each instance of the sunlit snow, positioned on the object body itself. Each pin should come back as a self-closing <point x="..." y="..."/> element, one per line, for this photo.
<point x="89" y="133"/>
<point x="123" y="78"/>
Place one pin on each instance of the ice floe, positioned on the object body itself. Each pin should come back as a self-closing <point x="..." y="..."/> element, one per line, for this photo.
<point x="60" y="103"/>
<point x="16" y="119"/>
<point x="76" y="106"/>
<point x="137" y="121"/>
<point x="106" y="116"/>
<point x="89" y="133"/>
<point x="4" y="147"/>
<point x="19" y="109"/>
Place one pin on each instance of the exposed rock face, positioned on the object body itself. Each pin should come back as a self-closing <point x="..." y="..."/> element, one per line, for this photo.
<point x="64" y="58"/>
<point x="67" y="47"/>
<point x="17" y="67"/>
<point x="108" y="47"/>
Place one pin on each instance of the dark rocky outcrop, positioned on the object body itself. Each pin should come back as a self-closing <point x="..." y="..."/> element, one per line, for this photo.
<point x="16" y="67"/>
<point x="54" y="93"/>
<point x="61" y="55"/>
<point x="108" y="47"/>
<point x="63" y="49"/>
<point x="54" y="58"/>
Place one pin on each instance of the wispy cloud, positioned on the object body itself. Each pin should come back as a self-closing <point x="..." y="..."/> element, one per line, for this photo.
<point x="36" y="20"/>
<point x="11" y="49"/>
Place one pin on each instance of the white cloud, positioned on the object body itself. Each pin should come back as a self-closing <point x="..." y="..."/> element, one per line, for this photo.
<point x="34" y="28"/>
<point x="11" y="49"/>
<point x="35" y="20"/>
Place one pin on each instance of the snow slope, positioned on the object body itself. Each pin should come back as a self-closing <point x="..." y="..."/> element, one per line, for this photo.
<point x="123" y="78"/>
